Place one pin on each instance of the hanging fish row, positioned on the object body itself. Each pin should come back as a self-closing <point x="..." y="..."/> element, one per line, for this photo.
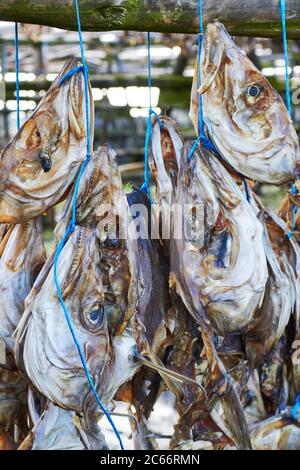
<point x="211" y="315"/>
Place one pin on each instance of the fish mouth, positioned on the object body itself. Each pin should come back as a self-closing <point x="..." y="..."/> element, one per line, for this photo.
<point x="216" y="41"/>
<point x="215" y="31"/>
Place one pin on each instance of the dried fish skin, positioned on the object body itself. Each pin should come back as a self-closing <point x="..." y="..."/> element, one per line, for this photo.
<point x="22" y="255"/>
<point x="222" y="284"/>
<point x="38" y="166"/>
<point x="245" y="117"/>
<point x="276" y="433"/>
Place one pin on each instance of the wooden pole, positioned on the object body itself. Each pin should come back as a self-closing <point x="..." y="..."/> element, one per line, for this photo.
<point x="258" y="18"/>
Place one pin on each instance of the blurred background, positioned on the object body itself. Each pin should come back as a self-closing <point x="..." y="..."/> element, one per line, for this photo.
<point x="118" y="65"/>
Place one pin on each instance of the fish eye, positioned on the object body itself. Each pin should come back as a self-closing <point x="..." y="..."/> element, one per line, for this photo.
<point x="45" y="161"/>
<point x="254" y="90"/>
<point x="92" y="319"/>
<point x="96" y="316"/>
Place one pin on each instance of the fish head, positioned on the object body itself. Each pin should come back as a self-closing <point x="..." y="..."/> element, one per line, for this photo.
<point x="102" y="204"/>
<point x="39" y="164"/>
<point x="96" y="272"/>
<point x="244" y="116"/>
<point x="55" y="361"/>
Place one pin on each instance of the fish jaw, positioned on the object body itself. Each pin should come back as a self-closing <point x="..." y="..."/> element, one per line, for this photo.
<point x="38" y="166"/>
<point x="254" y="135"/>
<point x="123" y="366"/>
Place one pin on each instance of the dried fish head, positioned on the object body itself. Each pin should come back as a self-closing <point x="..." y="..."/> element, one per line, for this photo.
<point x="98" y="280"/>
<point x="245" y="117"/>
<point x="219" y="263"/>
<point x="50" y="357"/>
<point x="38" y="166"/>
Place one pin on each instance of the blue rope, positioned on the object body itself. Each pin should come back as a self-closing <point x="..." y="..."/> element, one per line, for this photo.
<point x="289" y="108"/>
<point x="17" y="74"/>
<point x="288" y="98"/>
<point x="72" y="223"/>
<point x="202" y="139"/>
<point x="286" y="57"/>
<point x="146" y="184"/>
<point x="294" y="192"/>
<point x="295" y="408"/>
<point x="200" y="38"/>
<point x="70" y="74"/>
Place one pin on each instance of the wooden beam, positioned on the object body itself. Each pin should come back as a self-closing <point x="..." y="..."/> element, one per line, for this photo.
<point x="258" y="18"/>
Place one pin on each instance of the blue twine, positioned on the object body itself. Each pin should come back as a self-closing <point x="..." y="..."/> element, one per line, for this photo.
<point x="286" y="57"/>
<point x="17" y="74"/>
<point x="146" y="184"/>
<point x="288" y="98"/>
<point x="295" y="408"/>
<point x="202" y="139"/>
<point x="289" y="108"/>
<point x="72" y="223"/>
